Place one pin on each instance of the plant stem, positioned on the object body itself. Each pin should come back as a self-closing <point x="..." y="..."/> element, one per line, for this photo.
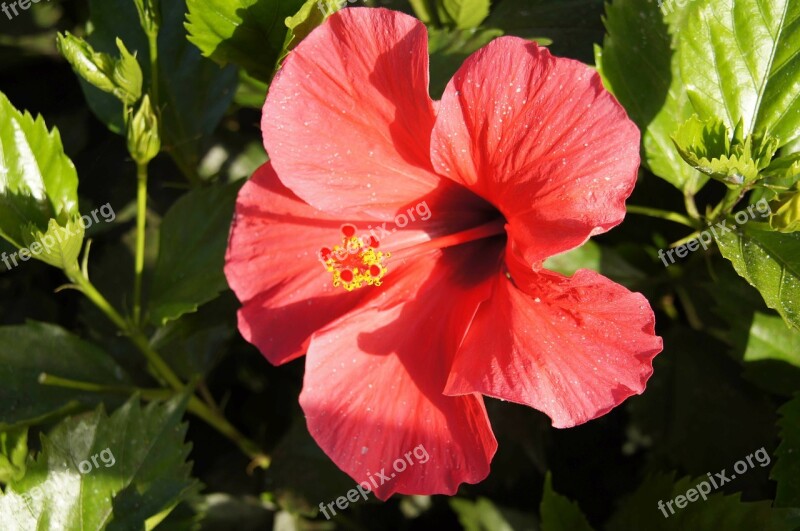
<point x="152" y="41"/>
<point x="141" y="221"/>
<point x="221" y="424"/>
<point x="686" y="239"/>
<point x="733" y="196"/>
<point x="147" y="394"/>
<point x="160" y="367"/>
<point x="663" y="214"/>
<point x="195" y="406"/>
<point x="691" y="206"/>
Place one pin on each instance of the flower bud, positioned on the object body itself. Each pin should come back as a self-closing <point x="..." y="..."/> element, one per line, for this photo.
<point x="127" y="76"/>
<point x="96" y="68"/>
<point x="149" y="15"/>
<point x="121" y="77"/>
<point x="786" y="213"/>
<point x="144" y="141"/>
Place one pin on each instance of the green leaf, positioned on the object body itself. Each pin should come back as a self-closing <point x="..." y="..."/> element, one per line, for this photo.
<point x="770" y="339"/>
<point x="463" y="14"/>
<point x="696" y="398"/>
<point x="638" y="65"/>
<point x="195" y="343"/>
<point x="312" y="14"/>
<point x="572" y="26"/>
<point x="301" y="473"/>
<point x="422" y="10"/>
<point x="587" y="256"/>
<point x="194" y="236"/>
<point x="786" y="470"/>
<point x="449" y="48"/>
<point x="740" y="59"/>
<point x="785" y="167"/>
<point x="248" y="33"/>
<point x="558" y="512"/>
<point x="57" y="246"/>
<point x="480" y="515"/>
<point x="740" y="306"/>
<point x="708" y="147"/>
<point x="592" y="255"/>
<point x="770" y="262"/>
<point x="98" y="472"/>
<point x="782" y="174"/>
<point x="35" y="348"/>
<point x="193" y="92"/>
<point x="13" y="454"/>
<point x="640" y="510"/>
<point x="38" y="182"/>
<point x="250" y="92"/>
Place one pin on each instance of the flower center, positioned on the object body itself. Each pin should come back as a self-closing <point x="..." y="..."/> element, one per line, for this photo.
<point x="356" y="262"/>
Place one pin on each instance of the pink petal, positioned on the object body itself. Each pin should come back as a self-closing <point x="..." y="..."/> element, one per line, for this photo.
<point x="540" y="138"/>
<point x="348" y="119"/>
<point x="273" y="267"/>
<point x="573" y="348"/>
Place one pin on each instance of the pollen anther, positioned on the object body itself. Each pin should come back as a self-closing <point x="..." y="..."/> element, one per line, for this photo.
<point x="355" y="263"/>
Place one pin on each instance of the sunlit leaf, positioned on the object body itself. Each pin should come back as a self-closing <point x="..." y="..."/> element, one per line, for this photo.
<point x="248" y="33"/>
<point x="38" y="182"/>
<point x="740" y="59"/>
<point x="770" y="262"/>
<point x="98" y="472"/>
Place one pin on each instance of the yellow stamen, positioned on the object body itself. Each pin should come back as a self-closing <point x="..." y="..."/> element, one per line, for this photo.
<point x="355" y="263"/>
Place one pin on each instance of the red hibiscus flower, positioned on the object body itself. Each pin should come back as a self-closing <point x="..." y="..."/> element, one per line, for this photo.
<point x="398" y="242"/>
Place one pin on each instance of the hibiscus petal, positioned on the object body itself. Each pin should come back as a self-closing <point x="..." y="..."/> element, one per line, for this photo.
<point x="573" y="348"/>
<point x="348" y="117"/>
<point x="273" y="268"/>
<point x="541" y="139"/>
<point x="374" y="379"/>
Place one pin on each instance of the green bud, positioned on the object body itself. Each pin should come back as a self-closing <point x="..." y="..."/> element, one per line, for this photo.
<point x="786" y="213"/>
<point x="121" y="77"/>
<point x="144" y="141"/>
<point x="96" y="68"/>
<point x="149" y="15"/>
<point x="59" y="246"/>
<point x="127" y="76"/>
